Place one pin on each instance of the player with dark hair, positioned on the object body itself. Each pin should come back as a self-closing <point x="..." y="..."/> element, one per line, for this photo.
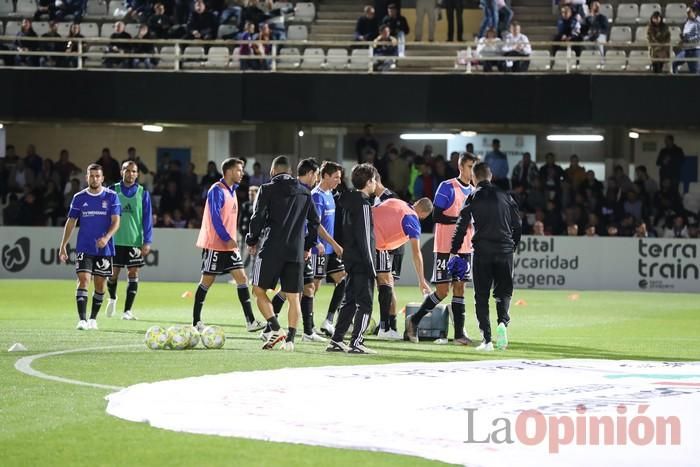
<point x="283" y="211"/>
<point x="217" y="239"/>
<point x="98" y="210"/>
<point x="133" y="239"/>
<point x="449" y="199"/>
<point x="358" y="254"/>
<point x="497" y="229"/>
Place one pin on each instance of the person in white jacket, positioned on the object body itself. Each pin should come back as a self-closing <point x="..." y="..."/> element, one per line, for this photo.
<point x="489" y="49"/>
<point x="517" y="45"/>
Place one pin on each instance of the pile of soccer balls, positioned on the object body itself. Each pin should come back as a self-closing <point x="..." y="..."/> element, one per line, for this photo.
<point x="184" y="337"/>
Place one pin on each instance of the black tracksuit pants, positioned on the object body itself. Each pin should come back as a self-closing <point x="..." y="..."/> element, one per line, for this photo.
<point x="492" y="269"/>
<point x="357" y="306"/>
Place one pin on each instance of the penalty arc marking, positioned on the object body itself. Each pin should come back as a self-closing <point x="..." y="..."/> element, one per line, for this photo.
<point x="24" y="365"/>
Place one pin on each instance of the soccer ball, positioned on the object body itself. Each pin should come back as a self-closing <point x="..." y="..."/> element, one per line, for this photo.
<point x="177" y="338"/>
<point x="156" y="338"/>
<point x="193" y="335"/>
<point x="213" y="337"/>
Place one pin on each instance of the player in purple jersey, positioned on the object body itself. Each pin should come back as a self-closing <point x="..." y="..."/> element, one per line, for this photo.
<point x="98" y="210"/>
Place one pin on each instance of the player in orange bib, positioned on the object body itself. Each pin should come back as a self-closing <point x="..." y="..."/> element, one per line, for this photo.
<point x="396" y="223"/>
<point x="449" y="199"/>
<point x="217" y="239"/>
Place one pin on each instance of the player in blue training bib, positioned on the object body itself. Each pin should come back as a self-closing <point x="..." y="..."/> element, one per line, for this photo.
<point x="98" y="210"/>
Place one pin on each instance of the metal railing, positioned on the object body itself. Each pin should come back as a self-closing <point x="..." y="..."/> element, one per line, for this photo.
<point x="192" y="55"/>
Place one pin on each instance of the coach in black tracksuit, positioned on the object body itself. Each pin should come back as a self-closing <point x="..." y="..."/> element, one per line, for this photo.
<point x="497" y="231"/>
<point x="358" y="256"/>
<point x="282" y="209"/>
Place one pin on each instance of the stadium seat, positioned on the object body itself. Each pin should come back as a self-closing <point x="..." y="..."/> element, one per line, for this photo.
<point x="359" y="60"/>
<point x="193" y="57"/>
<point x="645" y="11"/>
<point x="305" y="12"/>
<point x="540" y="60"/>
<point x="282" y="5"/>
<point x="218" y="57"/>
<point x="12" y="28"/>
<point x="96" y="9"/>
<point x="627" y="13"/>
<point x="64" y="28"/>
<point x="313" y="59"/>
<point x="92" y="30"/>
<point x="590" y="60"/>
<point x="132" y="29"/>
<point x="608" y="10"/>
<point x="675" y="34"/>
<point x="621" y="34"/>
<point x="26" y="8"/>
<point x="615" y="61"/>
<point x="289" y="58"/>
<point x="676" y="13"/>
<point x="337" y="59"/>
<point x="236" y="58"/>
<point x="560" y="61"/>
<point x="297" y="32"/>
<point x="40" y="27"/>
<point x="691" y="201"/>
<point x="640" y="35"/>
<point x="167" y="57"/>
<point x="639" y="61"/>
<point x="226" y="31"/>
<point x="2" y="29"/>
<point x="6" y="7"/>
<point x="95" y="56"/>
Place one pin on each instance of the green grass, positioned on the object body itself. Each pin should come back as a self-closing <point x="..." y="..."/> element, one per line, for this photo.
<point x="51" y="423"/>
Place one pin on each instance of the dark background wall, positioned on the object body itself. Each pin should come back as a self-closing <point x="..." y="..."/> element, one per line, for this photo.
<point x="223" y="98"/>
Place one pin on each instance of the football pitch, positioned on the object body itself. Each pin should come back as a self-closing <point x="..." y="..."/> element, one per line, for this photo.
<point x="45" y="422"/>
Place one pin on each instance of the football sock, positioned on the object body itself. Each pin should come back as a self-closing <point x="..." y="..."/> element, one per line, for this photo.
<point x="244" y="297"/>
<point x="392" y="323"/>
<point x="131" y="289"/>
<point x="430" y="302"/>
<point x="336" y="299"/>
<point x="199" y="297"/>
<point x="307" y="314"/>
<point x="81" y="298"/>
<point x="273" y="324"/>
<point x="291" y="333"/>
<point x="112" y="287"/>
<point x="458" y="316"/>
<point x="96" y="304"/>
<point x="385" y="297"/>
<point x="278" y="302"/>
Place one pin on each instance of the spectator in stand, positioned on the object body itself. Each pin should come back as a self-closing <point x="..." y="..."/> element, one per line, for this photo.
<point x="258" y="178"/>
<point x="498" y="163"/>
<point x="633" y="206"/>
<point x="212" y="176"/>
<point x="20" y="177"/>
<point x="179" y="222"/>
<point x="189" y="183"/>
<point x="667" y="202"/>
<point x="640" y="231"/>
<point x="74" y="8"/>
<point x="365" y="141"/>
<point x="118" y="48"/>
<point x="385" y="45"/>
<point x="454" y="9"/>
<point x="490" y="20"/>
<point x="690" y="43"/>
<point x="398" y="27"/>
<point x="642" y="179"/>
<point x="367" y="26"/>
<point x="440" y="169"/>
<point x="551" y="175"/>
<point x="47" y="174"/>
<point x="51" y="46"/>
<point x="568" y="31"/>
<point x="611" y="208"/>
<point x="670" y="161"/>
<point x="110" y="167"/>
<point x="553" y="223"/>
<point x="595" y="27"/>
<point x="202" y="24"/>
<point x="426" y="8"/>
<point x="159" y="23"/>
<point x="591" y="231"/>
<point x="593" y="184"/>
<point x="72" y="45"/>
<point x="536" y="197"/>
<point x="489" y="49"/>
<point x="505" y="16"/>
<point x="252" y="13"/>
<point x="171" y="199"/>
<point x="64" y="167"/>
<point x="138" y="10"/>
<point x="572" y="230"/>
<point x="622" y="180"/>
<point x="525" y="172"/>
<point x="399" y="174"/>
<point x="262" y="48"/>
<point x="144" y="48"/>
<point x="627" y="226"/>
<point x="45" y="7"/>
<point x="53" y="203"/>
<point x="33" y="160"/>
<point x="30" y="212"/>
<point x="575" y="175"/>
<point x="246" y="49"/>
<point x="538" y="229"/>
<point x="578" y="7"/>
<point x="517" y="45"/>
<point x="426" y="182"/>
<point x="658" y="36"/>
<point x="23" y="45"/>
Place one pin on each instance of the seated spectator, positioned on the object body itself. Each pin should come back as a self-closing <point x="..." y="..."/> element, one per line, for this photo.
<point x="189" y="183"/>
<point x="517" y="45"/>
<point x="45" y="8"/>
<point x="538" y="229"/>
<point x="627" y="226"/>
<point x="258" y="178"/>
<point x="490" y="46"/>
<point x="179" y="222"/>
<point x="252" y="13"/>
<point x="385" y="45"/>
<point x="498" y="163"/>
<point x="612" y="231"/>
<point x="262" y="48"/>
<point x="568" y="31"/>
<point x="51" y="46"/>
<point x="138" y="10"/>
<point x="74" y="8"/>
<point x="231" y="13"/>
<point x="72" y="46"/>
<point x="525" y="172"/>
<point x="398" y="26"/>
<point x="64" y="167"/>
<point x="678" y="229"/>
<point x="575" y="174"/>
<point x="593" y="184"/>
<point x="536" y="197"/>
<point x="275" y="18"/>
<point x="591" y="231"/>
<point x="201" y="23"/>
<point x="505" y="16"/>
<point x="634" y="206"/>
<point x="595" y="27"/>
<point x="160" y="23"/>
<point x="640" y="230"/>
<point x="578" y="7"/>
<point x="144" y="48"/>
<point x="212" y="176"/>
<point x="367" y="26"/>
<point x="20" y="177"/>
<point x="47" y="174"/>
<point x="33" y="160"/>
<point x="246" y="49"/>
<point x="11" y="212"/>
<point x="118" y="48"/>
<point x="53" y="203"/>
<point x="20" y="45"/>
<point x="690" y="43"/>
<point x="171" y="199"/>
<point x="647" y="183"/>
<point x="622" y="180"/>
<point x="110" y="167"/>
<point x="572" y="230"/>
<point x="658" y="36"/>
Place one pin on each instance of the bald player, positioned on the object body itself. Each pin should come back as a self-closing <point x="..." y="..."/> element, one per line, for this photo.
<point x="396" y="223"/>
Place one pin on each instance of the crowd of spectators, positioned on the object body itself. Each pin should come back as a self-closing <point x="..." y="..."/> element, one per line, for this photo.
<point x="250" y="20"/>
<point x="554" y="200"/>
